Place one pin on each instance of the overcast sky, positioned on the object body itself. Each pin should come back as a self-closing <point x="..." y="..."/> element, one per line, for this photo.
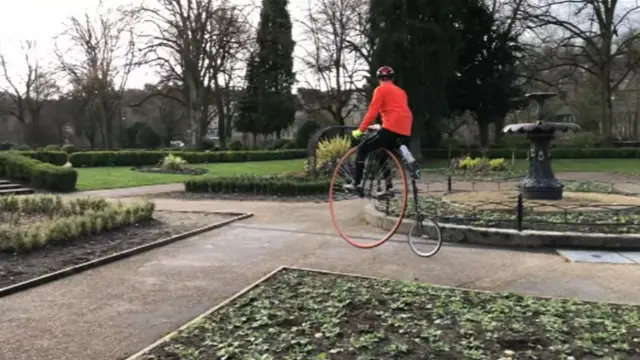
<point x="42" y="20"/>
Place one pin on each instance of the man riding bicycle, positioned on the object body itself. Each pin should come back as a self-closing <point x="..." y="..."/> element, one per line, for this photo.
<point x="391" y="102"/>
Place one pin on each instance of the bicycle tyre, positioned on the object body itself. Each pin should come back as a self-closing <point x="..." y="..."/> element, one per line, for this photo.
<point x="412" y="238"/>
<point x="403" y="201"/>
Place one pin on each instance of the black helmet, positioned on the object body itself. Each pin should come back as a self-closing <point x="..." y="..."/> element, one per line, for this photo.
<point x="385" y="73"/>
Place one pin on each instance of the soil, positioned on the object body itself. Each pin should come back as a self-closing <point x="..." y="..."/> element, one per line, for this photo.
<point x="185" y="171"/>
<point x="319" y="198"/>
<point x="306" y="315"/>
<point x="15" y="268"/>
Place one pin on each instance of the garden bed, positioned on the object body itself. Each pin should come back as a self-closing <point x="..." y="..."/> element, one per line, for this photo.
<point x="47" y="245"/>
<point x="475" y="175"/>
<point x="306" y="315"/>
<point x="184" y="171"/>
<point x="624" y="220"/>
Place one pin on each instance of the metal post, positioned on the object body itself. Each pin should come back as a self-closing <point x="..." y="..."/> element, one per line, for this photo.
<point x="519" y="212"/>
<point x="449" y="184"/>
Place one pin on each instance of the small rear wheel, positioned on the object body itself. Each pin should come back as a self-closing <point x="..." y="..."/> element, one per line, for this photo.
<point x="425" y="238"/>
<point x="384" y="189"/>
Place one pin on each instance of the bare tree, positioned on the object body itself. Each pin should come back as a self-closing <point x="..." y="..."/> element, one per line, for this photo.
<point x="196" y="44"/>
<point x="105" y="44"/>
<point x="593" y="37"/>
<point x="333" y="57"/>
<point x="24" y="97"/>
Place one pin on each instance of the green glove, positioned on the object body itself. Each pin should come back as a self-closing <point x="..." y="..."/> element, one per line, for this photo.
<point x="356" y="133"/>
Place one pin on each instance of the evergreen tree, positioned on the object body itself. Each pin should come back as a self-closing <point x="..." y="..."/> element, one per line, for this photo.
<point x="274" y="63"/>
<point x="248" y="120"/>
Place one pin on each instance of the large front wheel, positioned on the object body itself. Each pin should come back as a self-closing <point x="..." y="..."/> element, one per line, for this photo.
<point x="384" y="193"/>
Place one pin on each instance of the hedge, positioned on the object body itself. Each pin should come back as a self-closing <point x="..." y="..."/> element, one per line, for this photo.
<point x="52" y="157"/>
<point x="272" y="186"/>
<point x="38" y="174"/>
<point x="557" y="153"/>
<point x="141" y="158"/>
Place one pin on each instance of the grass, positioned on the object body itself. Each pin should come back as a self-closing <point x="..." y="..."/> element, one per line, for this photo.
<point x="123" y="177"/>
<point x="629" y="166"/>
<point x="310" y="316"/>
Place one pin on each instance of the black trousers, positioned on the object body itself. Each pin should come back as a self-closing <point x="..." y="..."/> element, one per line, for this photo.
<point x="382" y="139"/>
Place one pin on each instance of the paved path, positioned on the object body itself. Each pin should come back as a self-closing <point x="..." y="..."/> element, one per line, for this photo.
<point x="113" y="311"/>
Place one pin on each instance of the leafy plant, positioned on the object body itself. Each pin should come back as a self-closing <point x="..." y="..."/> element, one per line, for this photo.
<point x="481" y="164"/>
<point x="30" y="222"/>
<point x="329" y="152"/>
<point x="173" y="163"/>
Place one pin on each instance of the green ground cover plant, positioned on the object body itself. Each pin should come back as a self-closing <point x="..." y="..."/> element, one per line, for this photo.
<point x="35" y="221"/>
<point x="300" y="315"/>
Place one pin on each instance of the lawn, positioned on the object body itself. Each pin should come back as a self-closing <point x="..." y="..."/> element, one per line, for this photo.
<point x="123" y="177"/>
<point x="305" y="315"/>
<point x="630" y="166"/>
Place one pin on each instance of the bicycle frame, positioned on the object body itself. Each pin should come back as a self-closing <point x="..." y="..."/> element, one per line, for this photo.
<point x="414" y="174"/>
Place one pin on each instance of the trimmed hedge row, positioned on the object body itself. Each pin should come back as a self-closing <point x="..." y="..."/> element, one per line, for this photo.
<point x="38" y="174"/>
<point x="557" y="153"/>
<point x="52" y="157"/>
<point x="140" y="158"/>
<point x="272" y="186"/>
<point x="152" y="157"/>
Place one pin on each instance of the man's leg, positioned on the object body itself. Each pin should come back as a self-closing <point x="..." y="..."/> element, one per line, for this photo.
<point x="364" y="149"/>
<point x="391" y="141"/>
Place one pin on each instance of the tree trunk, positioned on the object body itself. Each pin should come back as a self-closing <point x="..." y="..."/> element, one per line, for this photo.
<point x="498" y="124"/>
<point x="483" y="126"/>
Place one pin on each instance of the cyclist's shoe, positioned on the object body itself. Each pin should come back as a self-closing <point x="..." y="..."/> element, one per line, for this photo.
<point x="353" y="189"/>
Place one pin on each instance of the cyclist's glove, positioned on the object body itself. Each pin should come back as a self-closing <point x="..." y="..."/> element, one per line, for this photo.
<point x="356" y="133"/>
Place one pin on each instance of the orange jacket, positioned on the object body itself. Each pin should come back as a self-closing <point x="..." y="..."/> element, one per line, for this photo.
<point x="391" y="102"/>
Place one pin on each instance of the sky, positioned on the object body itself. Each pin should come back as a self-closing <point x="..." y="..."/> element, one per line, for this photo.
<point x="42" y="20"/>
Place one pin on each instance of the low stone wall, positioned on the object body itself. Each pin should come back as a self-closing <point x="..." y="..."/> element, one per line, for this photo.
<point x="512" y="238"/>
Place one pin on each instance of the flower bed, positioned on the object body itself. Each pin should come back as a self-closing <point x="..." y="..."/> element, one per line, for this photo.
<point x="32" y="222"/>
<point x="306" y="315"/>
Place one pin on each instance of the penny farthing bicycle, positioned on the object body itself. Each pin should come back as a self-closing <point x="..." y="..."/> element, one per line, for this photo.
<point x="385" y="200"/>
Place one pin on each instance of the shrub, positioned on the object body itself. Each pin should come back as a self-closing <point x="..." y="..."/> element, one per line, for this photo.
<point x="147" y="138"/>
<point x="38" y="174"/>
<point x="51" y="157"/>
<point x="69" y="148"/>
<point x="481" y="164"/>
<point x="52" y="147"/>
<point x="304" y="132"/>
<point x="581" y="140"/>
<point x="557" y="152"/>
<point x="149" y="157"/>
<point x="173" y="162"/>
<point x="5" y="146"/>
<point x="283" y="144"/>
<point x="272" y="186"/>
<point x="329" y="152"/>
<point x="236" y="145"/>
<point x="209" y="145"/>
<point x="67" y="220"/>
<point x="498" y="164"/>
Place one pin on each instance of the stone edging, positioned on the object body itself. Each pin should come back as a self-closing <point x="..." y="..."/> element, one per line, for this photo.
<point x="510" y="237"/>
<point x="41" y="280"/>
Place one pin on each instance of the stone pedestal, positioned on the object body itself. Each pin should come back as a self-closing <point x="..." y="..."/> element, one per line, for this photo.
<point x="540" y="182"/>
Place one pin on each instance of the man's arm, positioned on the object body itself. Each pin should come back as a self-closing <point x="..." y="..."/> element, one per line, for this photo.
<point x="374" y="109"/>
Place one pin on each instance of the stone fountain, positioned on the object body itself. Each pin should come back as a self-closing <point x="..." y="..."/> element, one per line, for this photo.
<point x="540" y="182"/>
